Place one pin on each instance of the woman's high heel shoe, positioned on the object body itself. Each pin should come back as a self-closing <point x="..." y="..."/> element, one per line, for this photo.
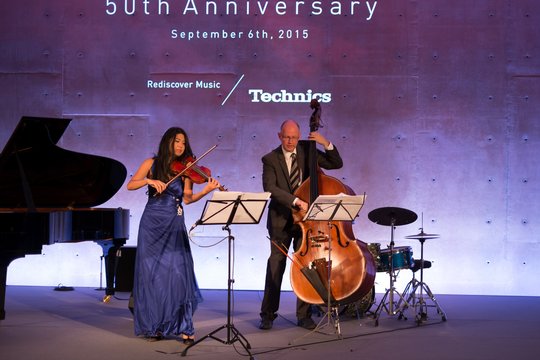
<point x="188" y="340"/>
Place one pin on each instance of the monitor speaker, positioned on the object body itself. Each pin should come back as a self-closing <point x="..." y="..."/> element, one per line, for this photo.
<point x="125" y="268"/>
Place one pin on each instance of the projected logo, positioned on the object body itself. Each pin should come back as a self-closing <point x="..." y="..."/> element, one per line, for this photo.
<point x="256" y="95"/>
<point x="285" y="96"/>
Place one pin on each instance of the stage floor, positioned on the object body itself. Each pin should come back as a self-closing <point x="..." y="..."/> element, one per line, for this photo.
<point x="45" y="324"/>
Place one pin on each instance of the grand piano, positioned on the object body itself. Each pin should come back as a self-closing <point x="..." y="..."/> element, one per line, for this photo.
<point x="49" y="195"/>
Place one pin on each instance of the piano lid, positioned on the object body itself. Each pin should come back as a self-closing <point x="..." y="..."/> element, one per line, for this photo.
<point x="35" y="173"/>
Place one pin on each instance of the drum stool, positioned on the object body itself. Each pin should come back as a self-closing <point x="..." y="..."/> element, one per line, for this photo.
<point x="416" y="265"/>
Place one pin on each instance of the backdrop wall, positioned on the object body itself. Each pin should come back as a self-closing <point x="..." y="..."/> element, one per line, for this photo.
<point x="434" y="106"/>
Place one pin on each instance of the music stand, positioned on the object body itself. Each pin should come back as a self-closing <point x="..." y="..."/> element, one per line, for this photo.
<point x="341" y="207"/>
<point x="226" y="208"/>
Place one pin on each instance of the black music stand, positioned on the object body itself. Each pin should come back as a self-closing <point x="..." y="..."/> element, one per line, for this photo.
<point x="341" y="207"/>
<point x="226" y="208"/>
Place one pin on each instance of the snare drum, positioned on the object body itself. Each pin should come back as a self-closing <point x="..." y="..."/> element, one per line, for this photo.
<point x="401" y="258"/>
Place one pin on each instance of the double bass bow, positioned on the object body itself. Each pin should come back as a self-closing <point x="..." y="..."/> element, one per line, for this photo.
<point x="330" y="265"/>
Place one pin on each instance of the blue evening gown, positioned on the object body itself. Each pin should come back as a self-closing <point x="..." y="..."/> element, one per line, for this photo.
<point x="165" y="289"/>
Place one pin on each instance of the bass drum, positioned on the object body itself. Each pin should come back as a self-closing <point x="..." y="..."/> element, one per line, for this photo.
<point x="356" y="309"/>
<point x="361" y="307"/>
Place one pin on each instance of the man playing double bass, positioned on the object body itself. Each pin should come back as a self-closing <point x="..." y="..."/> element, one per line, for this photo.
<point x="280" y="224"/>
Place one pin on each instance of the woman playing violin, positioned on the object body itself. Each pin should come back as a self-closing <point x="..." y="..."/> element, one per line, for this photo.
<point x="165" y="290"/>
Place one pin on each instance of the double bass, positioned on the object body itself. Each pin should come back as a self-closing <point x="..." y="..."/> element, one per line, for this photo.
<point x="348" y="274"/>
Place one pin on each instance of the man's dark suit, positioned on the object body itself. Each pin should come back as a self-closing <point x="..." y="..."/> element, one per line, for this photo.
<point x="280" y="224"/>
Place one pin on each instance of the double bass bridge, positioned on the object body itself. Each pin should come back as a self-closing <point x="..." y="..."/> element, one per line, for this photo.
<point x="319" y="239"/>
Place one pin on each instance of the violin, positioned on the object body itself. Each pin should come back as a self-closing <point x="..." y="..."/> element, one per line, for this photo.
<point x="198" y="174"/>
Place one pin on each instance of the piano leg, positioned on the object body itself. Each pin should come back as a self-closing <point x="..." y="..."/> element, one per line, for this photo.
<point x="3" y="279"/>
<point x="110" y="249"/>
<point x="4" y="263"/>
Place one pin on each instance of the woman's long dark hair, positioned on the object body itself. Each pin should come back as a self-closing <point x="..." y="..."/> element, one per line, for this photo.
<point x="165" y="156"/>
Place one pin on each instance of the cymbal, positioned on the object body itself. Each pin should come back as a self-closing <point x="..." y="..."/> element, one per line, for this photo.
<point x="422" y="236"/>
<point x="392" y="216"/>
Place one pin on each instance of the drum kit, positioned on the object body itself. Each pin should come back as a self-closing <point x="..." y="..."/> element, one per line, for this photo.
<point x="395" y="258"/>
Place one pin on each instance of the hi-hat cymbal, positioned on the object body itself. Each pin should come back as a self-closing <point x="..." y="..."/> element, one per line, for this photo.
<point x="392" y="216"/>
<point x="422" y="236"/>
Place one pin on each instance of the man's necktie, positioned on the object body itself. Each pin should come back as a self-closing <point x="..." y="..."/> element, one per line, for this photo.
<point x="295" y="172"/>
